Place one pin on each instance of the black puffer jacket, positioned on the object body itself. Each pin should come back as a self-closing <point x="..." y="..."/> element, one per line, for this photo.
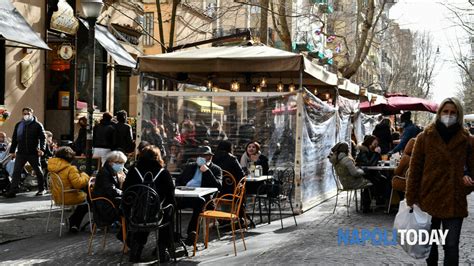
<point x="33" y="138"/>
<point x="228" y="162"/>
<point x="103" y="135"/>
<point x="123" y="139"/>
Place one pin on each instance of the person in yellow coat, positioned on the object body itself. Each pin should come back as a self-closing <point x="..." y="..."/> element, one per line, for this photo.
<point x="71" y="178"/>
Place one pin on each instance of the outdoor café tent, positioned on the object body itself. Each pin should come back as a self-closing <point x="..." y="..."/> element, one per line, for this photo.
<point x="222" y="64"/>
<point x="309" y="141"/>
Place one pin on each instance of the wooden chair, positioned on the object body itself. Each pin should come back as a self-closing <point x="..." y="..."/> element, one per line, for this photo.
<point x="235" y="200"/>
<point x="90" y="187"/>
<point x="55" y="182"/>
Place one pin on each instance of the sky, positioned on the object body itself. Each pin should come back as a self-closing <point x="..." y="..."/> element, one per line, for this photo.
<point x="431" y="16"/>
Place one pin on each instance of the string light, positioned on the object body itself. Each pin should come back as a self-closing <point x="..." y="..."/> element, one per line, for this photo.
<point x="291" y="87"/>
<point x="263" y="82"/>
<point x="280" y="86"/>
<point x="315" y="91"/>
<point x="235" y="85"/>
<point x="258" y="89"/>
<point x="209" y="84"/>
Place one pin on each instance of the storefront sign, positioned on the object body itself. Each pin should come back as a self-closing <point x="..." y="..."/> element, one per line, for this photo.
<point x="64" y="20"/>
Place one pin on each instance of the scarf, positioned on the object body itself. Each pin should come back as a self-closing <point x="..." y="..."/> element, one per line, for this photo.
<point x="447" y="133"/>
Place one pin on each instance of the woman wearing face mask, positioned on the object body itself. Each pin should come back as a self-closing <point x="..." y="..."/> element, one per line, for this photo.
<point x="369" y="155"/>
<point x="437" y="181"/>
<point x="108" y="184"/>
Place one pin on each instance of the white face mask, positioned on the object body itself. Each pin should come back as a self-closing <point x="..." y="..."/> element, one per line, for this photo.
<point x="27" y="117"/>
<point x="448" y="120"/>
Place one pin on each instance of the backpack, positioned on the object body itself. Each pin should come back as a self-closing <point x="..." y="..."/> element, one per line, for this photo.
<point x="144" y="201"/>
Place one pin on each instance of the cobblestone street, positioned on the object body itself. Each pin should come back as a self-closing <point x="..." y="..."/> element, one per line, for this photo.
<point x="313" y="241"/>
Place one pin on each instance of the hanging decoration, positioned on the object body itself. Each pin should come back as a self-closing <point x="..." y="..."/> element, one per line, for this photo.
<point x="330" y="38"/>
<point x="4" y="114"/>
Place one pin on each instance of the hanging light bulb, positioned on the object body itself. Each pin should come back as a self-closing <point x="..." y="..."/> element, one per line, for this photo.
<point x="362" y="92"/>
<point x="209" y="84"/>
<point x="291" y="87"/>
<point x="326" y="96"/>
<point x="258" y="88"/>
<point x="280" y="86"/>
<point x="235" y="85"/>
<point x="263" y="83"/>
<point x="315" y="91"/>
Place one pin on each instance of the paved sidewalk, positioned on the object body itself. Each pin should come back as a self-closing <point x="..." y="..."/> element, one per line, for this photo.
<point x="313" y="241"/>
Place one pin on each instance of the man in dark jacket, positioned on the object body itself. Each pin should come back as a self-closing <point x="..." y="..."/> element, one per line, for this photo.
<point x="123" y="138"/>
<point x="103" y="137"/>
<point x="410" y="131"/>
<point x="202" y="173"/>
<point x="28" y="145"/>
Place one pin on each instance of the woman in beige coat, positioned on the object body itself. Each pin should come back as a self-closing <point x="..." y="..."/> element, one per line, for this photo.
<point x="436" y="178"/>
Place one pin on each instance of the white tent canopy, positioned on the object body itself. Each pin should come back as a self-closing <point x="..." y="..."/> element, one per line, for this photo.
<point x="469" y="117"/>
<point x="228" y="63"/>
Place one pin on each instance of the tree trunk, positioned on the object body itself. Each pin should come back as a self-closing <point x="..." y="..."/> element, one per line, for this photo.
<point x="173" y="22"/>
<point x="160" y="26"/>
<point x="264" y="21"/>
<point x="283" y="31"/>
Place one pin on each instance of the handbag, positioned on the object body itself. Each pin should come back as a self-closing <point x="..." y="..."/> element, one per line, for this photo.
<point x="413" y="218"/>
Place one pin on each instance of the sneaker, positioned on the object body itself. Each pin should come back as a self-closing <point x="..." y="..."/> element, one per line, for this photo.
<point x="41" y="193"/>
<point x="74" y="229"/>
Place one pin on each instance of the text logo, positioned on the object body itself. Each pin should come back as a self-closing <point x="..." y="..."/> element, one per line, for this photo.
<point x="390" y="237"/>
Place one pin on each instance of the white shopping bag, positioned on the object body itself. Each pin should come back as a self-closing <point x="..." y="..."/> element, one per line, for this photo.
<point x="415" y="219"/>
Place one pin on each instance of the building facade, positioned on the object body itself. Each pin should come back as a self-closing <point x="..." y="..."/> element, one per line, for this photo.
<point x="52" y="79"/>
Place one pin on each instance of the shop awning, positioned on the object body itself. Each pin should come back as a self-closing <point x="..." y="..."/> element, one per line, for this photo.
<point x="112" y="45"/>
<point x="14" y="28"/>
<point x="207" y="106"/>
<point x="243" y="63"/>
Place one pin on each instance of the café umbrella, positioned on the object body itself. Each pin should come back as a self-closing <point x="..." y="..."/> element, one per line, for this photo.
<point x="395" y="104"/>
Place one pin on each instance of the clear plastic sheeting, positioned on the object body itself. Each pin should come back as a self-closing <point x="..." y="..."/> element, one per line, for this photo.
<point x="347" y="110"/>
<point x="189" y="119"/>
<point x="364" y="125"/>
<point x="318" y="137"/>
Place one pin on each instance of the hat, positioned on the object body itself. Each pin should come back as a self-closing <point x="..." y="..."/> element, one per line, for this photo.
<point x="204" y="150"/>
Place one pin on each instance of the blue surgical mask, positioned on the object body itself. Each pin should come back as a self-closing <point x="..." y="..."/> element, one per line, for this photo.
<point x="118" y="167"/>
<point x="200" y="161"/>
